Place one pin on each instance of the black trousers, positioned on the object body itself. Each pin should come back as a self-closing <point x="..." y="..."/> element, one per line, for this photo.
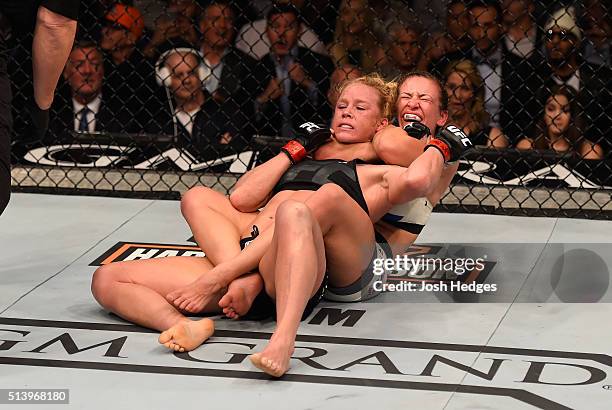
<point x="6" y="126"/>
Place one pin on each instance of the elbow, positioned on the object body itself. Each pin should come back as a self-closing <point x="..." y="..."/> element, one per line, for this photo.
<point x="239" y="201"/>
<point x="242" y="201"/>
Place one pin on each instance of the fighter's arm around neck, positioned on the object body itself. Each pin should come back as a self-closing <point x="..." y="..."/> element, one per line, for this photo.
<point x="419" y="180"/>
<point x="393" y="146"/>
<point x="254" y="188"/>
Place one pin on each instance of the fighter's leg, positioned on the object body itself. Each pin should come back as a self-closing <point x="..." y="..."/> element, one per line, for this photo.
<point x="241" y="293"/>
<point x="194" y="296"/>
<point x="348" y="233"/>
<point x="293" y="269"/>
<point x="135" y="290"/>
<point x="216" y="225"/>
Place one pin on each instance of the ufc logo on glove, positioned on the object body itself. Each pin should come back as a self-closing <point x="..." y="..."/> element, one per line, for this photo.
<point x="464" y="139"/>
<point x="310" y="127"/>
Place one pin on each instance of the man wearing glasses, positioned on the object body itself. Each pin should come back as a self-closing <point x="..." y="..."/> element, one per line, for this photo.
<point x="54" y="25"/>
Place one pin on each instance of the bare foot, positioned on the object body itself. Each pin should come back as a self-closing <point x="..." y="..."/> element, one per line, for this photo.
<point x="274" y="359"/>
<point x="240" y="295"/>
<point x="188" y="334"/>
<point x="195" y="297"/>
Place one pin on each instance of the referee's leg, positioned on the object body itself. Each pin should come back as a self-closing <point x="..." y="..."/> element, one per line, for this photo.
<point x="6" y="125"/>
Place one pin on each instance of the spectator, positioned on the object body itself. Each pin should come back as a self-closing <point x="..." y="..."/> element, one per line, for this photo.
<point x="200" y="124"/>
<point x="597" y="29"/>
<point x="466" y="105"/>
<point x="354" y="40"/>
<point x="296" y="78"/>
<point x="520" y="27"/>
<point x="509" y="79"/>
<point x="174" y="28"/>
<point x="339" y="75"/>
<point x="232" y="81"/>
<point x="123" y="27"/>
<point x="88" y="108"/>
<point x="558" y="127"/>
<point x="592" y="83"/>
<point x="129" y="75"/>
<point x="402" y="48"/>
<point x="252" y="40"/>
<point x="455" y="42"/>
<point x="91" y="18"/>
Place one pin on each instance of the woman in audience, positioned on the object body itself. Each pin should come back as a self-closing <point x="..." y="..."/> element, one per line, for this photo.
<point x="465" y="89"/>
<point x="559" y="127"/>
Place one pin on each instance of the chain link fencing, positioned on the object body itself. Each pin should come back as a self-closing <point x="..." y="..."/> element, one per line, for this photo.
<point x="160" y="96"/>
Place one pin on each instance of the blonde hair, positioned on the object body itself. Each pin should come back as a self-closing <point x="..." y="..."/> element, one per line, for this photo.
<point x="387" y="91"/>
<point x="477" y="111"/>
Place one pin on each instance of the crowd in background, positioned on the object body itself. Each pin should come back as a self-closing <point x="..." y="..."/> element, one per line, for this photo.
<point x="214" y="73"/>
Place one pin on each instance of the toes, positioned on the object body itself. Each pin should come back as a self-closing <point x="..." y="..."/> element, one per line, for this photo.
<point x="194" y="307"/>
<point x="164" y="337"/>
<point x="225" y="301"/>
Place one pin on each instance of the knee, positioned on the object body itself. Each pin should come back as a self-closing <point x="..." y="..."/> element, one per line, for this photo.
<point x="101" y="282"/>
<point x="194" y="199"/>
<point x="293" y="211"/>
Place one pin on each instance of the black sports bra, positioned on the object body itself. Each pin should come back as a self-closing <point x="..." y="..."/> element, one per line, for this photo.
<point x="311" y="174"/>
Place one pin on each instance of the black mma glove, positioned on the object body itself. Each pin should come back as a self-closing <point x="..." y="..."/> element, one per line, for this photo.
<point x="416" y="129"/>
<point x="309" y="138"/>
<point x="451" y="142"/>
<point x="39" y="121"/>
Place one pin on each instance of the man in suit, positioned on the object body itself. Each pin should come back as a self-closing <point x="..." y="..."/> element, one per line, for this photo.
<point x="202" y="126"/>
<point x="86" y="108"/>
<point x="297" y="79"/>
<point x="232" y="82"/>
